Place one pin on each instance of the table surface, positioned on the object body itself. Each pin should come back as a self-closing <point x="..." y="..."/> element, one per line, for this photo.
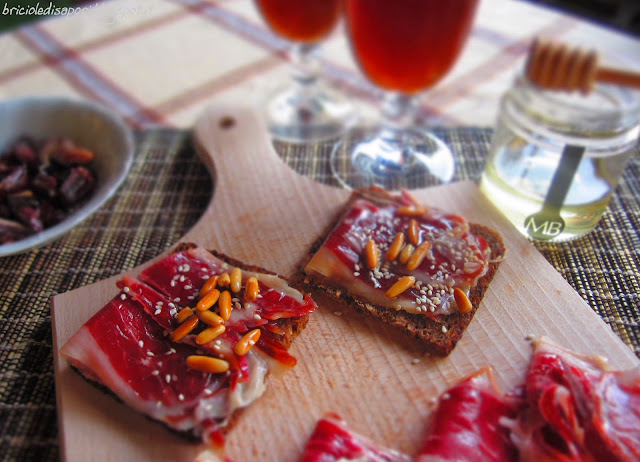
<point x="159" y="64"/>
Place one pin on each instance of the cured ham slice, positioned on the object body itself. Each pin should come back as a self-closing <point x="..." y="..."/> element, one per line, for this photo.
<point x="468" y="424"/>
<point x="578" y="409"/>
<point x="125" y="350"/>
<point x="332" y="441"/>
<point x="571" y="408"/>
<point x="138" y="346"/>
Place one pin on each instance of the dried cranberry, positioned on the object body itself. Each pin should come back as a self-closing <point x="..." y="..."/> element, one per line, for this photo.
<point x="77" y="185"/>
<point x="45" y="184"/>
<point x="11" y="231"/>
<point x="15" y="181"/>
<point x="40" y="181"/>
<point x="26" y="207"/>
<point x="27" y="155"/>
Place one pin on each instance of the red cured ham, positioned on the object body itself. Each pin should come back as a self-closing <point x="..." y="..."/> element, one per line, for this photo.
<point x="572" y="408"/>
<point x="122" y="348"/>
<point x="331" y="441"/>
<point x="578" y="409"/>
<point x="127" y="346"/>
<point x="468" y="424"/>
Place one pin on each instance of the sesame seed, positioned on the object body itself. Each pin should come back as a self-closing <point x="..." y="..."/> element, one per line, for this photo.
<point x="444" y="329"/>
<point x="182" y="279"/>
<point x="167" y="378"/>
<point x="173" y="283"/>
<point x="188" y="287"/>
<point x="126" y="289"/>
<point x="356" y="274"/>
<point x="157" y="312"/>
<point x="156" y="372"/>
<point x="181" y="397"/>
<point x="257" y="317"/>
<point x="337" y="313"/>
<point x="150" y="353"/>
<point x="141" y="343"/>
<point x="177" y="299"/>
<point x="123" y="297"/>
<point x="415" y="361"/>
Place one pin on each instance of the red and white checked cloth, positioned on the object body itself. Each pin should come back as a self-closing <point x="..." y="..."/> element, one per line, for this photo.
<point x="163" y="61"/>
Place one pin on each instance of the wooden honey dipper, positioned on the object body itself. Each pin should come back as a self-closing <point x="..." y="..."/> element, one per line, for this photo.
<point x="554" y="66"/>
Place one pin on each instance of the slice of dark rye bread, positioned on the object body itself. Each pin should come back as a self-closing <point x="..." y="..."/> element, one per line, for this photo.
<point x="290" y="328"/>
<point x="419" y="326"/>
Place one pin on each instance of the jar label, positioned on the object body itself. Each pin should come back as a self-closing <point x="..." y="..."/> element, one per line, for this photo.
<point x="547" y="224"/>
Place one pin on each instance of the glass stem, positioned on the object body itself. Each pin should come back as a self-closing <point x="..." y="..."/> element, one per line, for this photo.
<point x="398" y="113"/>
<point x="306" y="68"/>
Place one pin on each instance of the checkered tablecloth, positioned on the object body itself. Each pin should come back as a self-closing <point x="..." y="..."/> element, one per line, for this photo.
<point x="158" y="64"/>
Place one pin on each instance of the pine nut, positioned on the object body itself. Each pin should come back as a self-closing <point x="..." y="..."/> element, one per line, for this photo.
<point x="414" y="232"/>
<point x="184" y="329"/>
<point x="224" y="280"/>
<point x="224" y="307"/>
<point x="246" y="342"/>
<point x="396" y="247"/>
<point x="418" y="255"/>
<point x="463" y="302"/>
<point x="400" y="286"/>
<point x="184" y="314"/>
<point x="209" y="334"/>
<point x="207" y="364"/>
<point x="410" y="211"/>
<point x="236" y="280"/>
<point x="252" y="289"/>
<point x="210" y="318"/>
<point x="372" y="254"/>
<point x="406" y="253"/>
<point x="209" y="285"/>
<point x="208" y="300"/>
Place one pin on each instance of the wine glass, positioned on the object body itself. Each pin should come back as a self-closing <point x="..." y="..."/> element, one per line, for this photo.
<point x="305" y="110"/>
<point x="404" y="47"/>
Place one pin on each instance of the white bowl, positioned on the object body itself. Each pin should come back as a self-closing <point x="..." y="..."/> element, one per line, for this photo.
<point x="89" y="125"/>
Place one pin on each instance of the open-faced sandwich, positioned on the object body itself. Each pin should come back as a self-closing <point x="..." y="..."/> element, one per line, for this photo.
<point x="411" y="266"/>
<point x="191" y="340"/>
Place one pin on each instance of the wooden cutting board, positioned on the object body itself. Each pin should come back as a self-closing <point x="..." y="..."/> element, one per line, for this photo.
<point x="264" y="213"/>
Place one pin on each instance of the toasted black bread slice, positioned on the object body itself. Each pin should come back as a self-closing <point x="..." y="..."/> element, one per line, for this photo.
<point x="439" y="332"/>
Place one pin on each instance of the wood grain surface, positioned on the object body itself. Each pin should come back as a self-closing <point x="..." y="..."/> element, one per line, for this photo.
<point x="264" y="213"/>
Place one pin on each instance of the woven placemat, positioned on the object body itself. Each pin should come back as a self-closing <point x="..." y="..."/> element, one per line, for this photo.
<point x="165" y="193"/>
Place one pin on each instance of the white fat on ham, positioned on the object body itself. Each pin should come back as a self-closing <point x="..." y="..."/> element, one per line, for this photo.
<point x="269" y="280"/>
<point x="221" y="406"/>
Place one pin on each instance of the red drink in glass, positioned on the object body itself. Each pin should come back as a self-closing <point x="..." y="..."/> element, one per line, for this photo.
<point x="301" y="20"/>
<point x="408" y="45"/>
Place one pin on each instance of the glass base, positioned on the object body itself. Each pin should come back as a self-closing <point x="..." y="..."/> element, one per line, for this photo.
<point x="364" y="158"/>
<point x="303" y="115"/>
